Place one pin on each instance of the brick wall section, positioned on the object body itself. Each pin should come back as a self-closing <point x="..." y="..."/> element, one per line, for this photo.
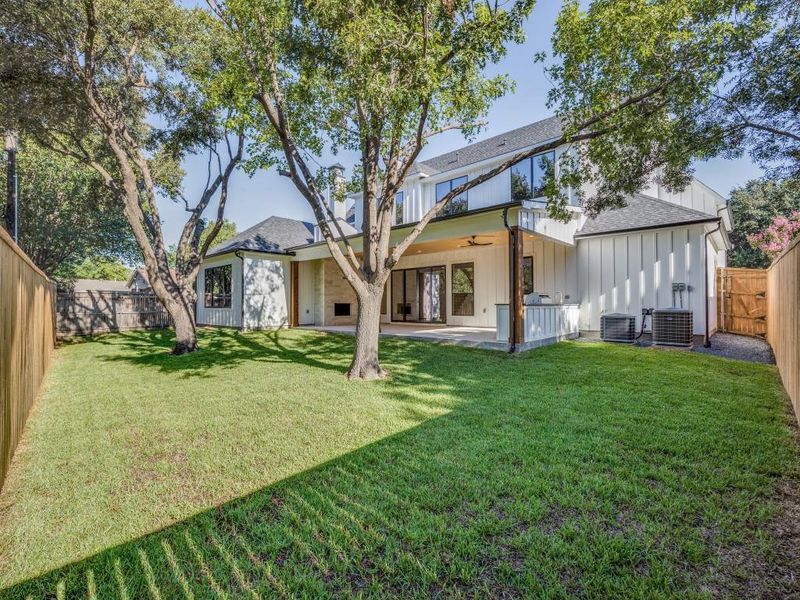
<point x="336" y="289"/>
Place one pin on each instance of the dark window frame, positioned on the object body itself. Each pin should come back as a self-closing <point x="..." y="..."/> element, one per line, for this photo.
<point x="399" y="207"/>
<point x="528" y="289"/>
<point x="218" y="286"/>
<point x="529" y="169"/>
<point x="458" y="299"/>
<point x="457" y="205"/>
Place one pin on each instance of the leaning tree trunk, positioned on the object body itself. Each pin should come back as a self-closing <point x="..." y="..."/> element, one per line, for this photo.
<point x="185" y="329"/>
<point x="365" y="363"/>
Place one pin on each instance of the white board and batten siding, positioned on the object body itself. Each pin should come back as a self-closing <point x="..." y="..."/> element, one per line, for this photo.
<point x="221" y="317"/>
<point x="491" y="279"/>
<point x="266" y="292"/>
<point x="623" y="273"/>
<point x="544" y="323"/>
<point x="419" y="195"/>
<point x="697" y="196"/>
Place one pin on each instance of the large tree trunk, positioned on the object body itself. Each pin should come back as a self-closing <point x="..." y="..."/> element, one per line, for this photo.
<point x="185" y="329"/>
<point x="365" y="363"/>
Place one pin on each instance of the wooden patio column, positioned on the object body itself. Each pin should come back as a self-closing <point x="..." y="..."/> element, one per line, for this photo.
<point x="294" y="310"/>
<point x="516" y="310"/>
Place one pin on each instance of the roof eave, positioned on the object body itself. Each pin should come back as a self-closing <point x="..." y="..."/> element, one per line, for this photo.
<point x="710" y="219"/>
<point x="469" y="213"/>
<point x="239" y="249"/>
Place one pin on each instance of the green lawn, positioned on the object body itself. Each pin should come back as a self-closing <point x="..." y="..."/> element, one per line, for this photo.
<point x="254" y="469"/>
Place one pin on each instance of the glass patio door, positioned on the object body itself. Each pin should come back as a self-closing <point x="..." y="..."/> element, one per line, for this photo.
<point x="419" y="295"/>
<point x="432" y="294"/>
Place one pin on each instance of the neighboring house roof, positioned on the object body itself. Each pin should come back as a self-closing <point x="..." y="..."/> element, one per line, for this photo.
<point x="510" y="141"/>
<point x="98" y="285"/>
<point x="274" y="235"/>
<point x="642" y="212"/>
<point x="141" y="273"/>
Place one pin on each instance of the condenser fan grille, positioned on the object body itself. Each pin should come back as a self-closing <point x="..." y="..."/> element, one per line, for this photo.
<point x="672" y="327"/>
<point x="618" y="328"/>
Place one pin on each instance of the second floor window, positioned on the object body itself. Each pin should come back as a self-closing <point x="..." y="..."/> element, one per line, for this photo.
<point x="457" y="204"/>
<point x="399" y="207"/>
<point x="528" y="176"/>
<point x="218" y="287"/>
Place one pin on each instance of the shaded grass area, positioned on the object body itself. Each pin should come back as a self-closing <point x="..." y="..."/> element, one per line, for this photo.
<point x="575" y="470"/>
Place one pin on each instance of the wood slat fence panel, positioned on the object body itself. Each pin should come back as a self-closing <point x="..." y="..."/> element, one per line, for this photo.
<point x="87" y="313"/>
<point x="783" y="324"/>
<point x="742" y="301"/>
<point x="27" y="338"/>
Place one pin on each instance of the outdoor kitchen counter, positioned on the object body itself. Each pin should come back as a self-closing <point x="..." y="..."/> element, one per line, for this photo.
<point x="544" y="323"/>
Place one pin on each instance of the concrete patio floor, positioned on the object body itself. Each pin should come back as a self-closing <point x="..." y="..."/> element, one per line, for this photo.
<point x="476" y="337"/>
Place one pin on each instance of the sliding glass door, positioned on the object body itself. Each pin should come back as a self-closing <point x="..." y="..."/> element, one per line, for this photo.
<point x="419" y="295"/>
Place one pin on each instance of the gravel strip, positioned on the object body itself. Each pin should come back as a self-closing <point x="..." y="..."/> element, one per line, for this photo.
<point x="741" y="347"/>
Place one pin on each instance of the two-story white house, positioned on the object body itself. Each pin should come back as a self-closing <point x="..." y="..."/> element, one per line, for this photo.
<point x="494" y="260"/>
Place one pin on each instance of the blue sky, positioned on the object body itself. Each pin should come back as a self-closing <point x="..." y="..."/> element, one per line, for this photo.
<point x="253" y="199"/>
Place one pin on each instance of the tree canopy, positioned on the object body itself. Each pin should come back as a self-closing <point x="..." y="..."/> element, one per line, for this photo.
<point x="99" y="268"/>
<point x="223" y="233"/>
<point x="755" y="206"/>
<point x="113" y="84"/>
<point x="376" y="78"/>
<point x="655" y="85"/>
<point x="66" y="215"/>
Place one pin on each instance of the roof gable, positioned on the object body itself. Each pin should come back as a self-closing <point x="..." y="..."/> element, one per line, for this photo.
<point x="511" y="141"/>
<point x="274" y="235"/>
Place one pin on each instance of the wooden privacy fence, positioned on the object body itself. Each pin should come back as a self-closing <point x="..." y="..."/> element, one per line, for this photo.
<point x="27" y="337"/>
<point x="86" y="313"/>
<point x="742" y="301"/>
<point x="783" y="325"/>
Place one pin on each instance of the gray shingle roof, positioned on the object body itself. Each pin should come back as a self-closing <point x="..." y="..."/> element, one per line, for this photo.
<point x="642" y="212"/>
<point x="275" y="235"/>
<point x="511" y="141"/>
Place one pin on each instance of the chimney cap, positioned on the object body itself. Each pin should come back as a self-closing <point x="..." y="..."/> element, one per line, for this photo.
<point x="337" y="167"/>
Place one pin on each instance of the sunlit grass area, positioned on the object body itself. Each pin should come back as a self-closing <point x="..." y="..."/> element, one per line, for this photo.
<point x="253" y="468"/>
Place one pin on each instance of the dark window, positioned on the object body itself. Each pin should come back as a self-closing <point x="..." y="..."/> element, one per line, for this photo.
<point x="398" y="208"/>
<point x="527" y="275"/>
<point x="529" y="176"/>
<point x="521" y="180"/>
<point x="218" y="287"/>
<point x="464" y="290"/>
<point x="384" y="303"/>
<point x="457" y="204"/>
<point x="341" y="309"/>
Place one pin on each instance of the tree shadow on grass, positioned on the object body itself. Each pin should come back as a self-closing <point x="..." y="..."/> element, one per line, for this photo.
<point x="220" y="349"/>
<point x="537" y="483"/>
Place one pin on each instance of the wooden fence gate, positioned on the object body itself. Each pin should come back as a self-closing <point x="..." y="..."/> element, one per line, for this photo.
<point x="742" y="301"/>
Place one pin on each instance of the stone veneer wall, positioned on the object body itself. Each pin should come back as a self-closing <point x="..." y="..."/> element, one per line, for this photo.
<point x="336" y="289"/>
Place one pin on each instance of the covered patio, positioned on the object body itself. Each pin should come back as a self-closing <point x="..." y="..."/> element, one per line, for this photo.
<point x="475" y="337"/>
<point x="504" y="278"/>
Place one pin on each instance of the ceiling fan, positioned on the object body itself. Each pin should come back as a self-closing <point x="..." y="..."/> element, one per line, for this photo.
<point x="473" y="242"/>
